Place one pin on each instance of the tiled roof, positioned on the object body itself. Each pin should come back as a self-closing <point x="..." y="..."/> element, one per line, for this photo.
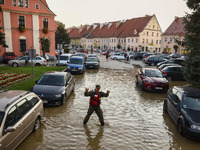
<point x="176" y="28"/>
<point x="120" y="29"/>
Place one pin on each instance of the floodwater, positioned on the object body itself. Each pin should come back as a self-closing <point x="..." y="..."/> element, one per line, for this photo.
<point x="134" y="119"/>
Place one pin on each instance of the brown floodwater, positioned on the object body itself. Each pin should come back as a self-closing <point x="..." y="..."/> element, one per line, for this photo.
<point x="134" y="119"/>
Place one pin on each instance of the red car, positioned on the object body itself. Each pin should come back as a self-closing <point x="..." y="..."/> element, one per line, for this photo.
<point x="152" y="80"/>
<point x="8" y="56"/>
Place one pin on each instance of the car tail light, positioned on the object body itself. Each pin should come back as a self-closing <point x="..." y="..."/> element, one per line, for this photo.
<point x="147" y="60"/>
<point x="44" y="60"/>
<point x="165" y="72"/>
<point x="145" y="56"/>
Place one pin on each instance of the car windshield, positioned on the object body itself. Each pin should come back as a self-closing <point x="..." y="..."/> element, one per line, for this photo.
<point x="92" y="55"/>
<point x="92" y="59"/>
<point x="1" y="117"/>
<point x="192" y="103"/>
<point x="51" y="80"/>
<point x="153" y="73"/>
<point x="75" y="61"/>
<point x="64" y="57"/>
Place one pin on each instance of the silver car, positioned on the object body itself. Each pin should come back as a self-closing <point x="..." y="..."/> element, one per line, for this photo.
<point x="20" y="114"/>
<point x="25" y="60"/>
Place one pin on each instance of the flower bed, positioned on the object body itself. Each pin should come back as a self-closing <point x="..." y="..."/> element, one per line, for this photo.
<point x="8" y="79"/>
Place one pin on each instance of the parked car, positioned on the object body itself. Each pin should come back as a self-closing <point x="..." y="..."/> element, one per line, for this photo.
<point x="81" y="55"/>
<point x="8" y="56"/>
<point x="76" y="65"/>
<point x="20" y="114"/>
<point x="49" y="57"/>
<point x="92" y="55"/>
<point x="154" y="59"/>
<point x="117" y="56"/>
<point x="25" y="60"/>
<point x="175" y="55"/>
<point x="130" y="54"/>
<point x="54" y="87"/>
<point x="152" y="80"/>
<point x="179" y="61"/>
<point x="63" y="59"/>
<point x="183" y="106"/>
<point x="173" y="72"/>
<point x="147" y="55"/>
<point x="139" y="55"/>
<point x="92" y="62"/>
<point x="165" y="65"/>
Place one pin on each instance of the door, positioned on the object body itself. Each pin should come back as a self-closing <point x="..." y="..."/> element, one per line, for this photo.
<point x="11" y="139"/>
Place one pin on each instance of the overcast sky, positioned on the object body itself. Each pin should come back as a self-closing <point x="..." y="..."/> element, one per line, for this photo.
<point x="77" y="12"/>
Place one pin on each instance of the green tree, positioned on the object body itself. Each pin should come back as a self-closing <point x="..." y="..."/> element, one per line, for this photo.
<point x="119" y="46"/>
<point x="192" y="39"/>
<point x="61" y="37"/>
<point x="175" y="48"/>
<point x="128" y="49"/>
<point x="45" y="44"/>
<point x="2" y="36"/>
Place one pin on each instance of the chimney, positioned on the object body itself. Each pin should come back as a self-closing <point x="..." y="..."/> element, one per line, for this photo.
<point x="176" y="18"/>
<point x="147" y="15"/>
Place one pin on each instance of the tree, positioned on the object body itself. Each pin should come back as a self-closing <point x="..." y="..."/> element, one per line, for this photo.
<point x="175" y="48"/>
<point x="128" y="49"/>
<point x="45" y="43"/>
<point x="192" y="37"/>
<point x="119" y="46"/>
<point x="2" y="36"/>
<point x="61" y="37"/>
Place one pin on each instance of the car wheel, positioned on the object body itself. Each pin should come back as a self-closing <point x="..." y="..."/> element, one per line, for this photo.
<point x="180" y="127"/>
<point x="165" y="106"/>
<point x="62" y="101"/>
<point x="37" y="124"/>
<point x="37" y="64"/>
<point x="15" y="65"/>
<point x="136" y="80"/>
<point x="114" y="58"/>
<point x="169" y="78"/>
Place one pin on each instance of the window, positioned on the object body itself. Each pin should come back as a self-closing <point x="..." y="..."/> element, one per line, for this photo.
<point x="22" y="45"/>
<point x="132" y="40"/>
<point x="157" y="34"/>
<point x="147" y="33"/>
<point x="23" y="107"/>
<point x="152" y="33"/>
<point x="165" y="40"/>
<point x="2" y="2"/>
<point x="21" y="21"/>
<point x="26" y="3"/>
<point x="14" y="3"/>
<point x="33" y="100"/>
<point x="12" y="117"/>
<point x="152" y="41"/>
<point x="136" y="40"/>
<point x="37" y="7"/>
<point x="20" y="3"/>
<point x="142" y="40"/>
<point x="170" y="40"/>
<point x="147" y="41"/>
<point x="156" y="41"/>
<point x="45" y="23"/>
<point x="153" y="26"/>
<point x="128" y="40"/>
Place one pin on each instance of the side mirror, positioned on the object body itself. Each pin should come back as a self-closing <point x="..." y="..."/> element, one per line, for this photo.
<point x="10" y="129"/>
<point x="36" y="82"/>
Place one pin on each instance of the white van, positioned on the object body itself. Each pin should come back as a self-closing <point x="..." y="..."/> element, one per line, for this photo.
<point x="64" y="59"/>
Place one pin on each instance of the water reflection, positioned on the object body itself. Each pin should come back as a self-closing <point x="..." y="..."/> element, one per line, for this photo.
<point x="94" y="140"/>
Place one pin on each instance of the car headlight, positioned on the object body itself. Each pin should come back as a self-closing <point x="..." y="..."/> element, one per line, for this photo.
<point x="195" y="127"/>
<point x="68" y="67"/>
<point x="58" y="95"/>
<point x="80" y="68"/>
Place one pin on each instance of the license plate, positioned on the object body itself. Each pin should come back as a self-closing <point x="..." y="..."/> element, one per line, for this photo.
<point x="45" y="101"/>
<point x="74" y="70"/>
<point x="90" y="66"/>
<point x="158" y="88"/>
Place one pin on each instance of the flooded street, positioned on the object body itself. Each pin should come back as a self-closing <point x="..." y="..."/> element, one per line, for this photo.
<point x="134" y="119"/>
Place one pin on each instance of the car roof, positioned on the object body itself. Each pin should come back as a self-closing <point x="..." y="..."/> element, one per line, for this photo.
<point x="76" y="57"/>
<point x="175" y="66"/>
<point x="10" y="96"/>
<point x="150" y="69"/>
<point x="56" y="73"/>
<point x="189" y="91"/>
<point x="65" y="54"/>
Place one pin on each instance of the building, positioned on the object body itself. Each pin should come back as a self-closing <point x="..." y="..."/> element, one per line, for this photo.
<point x="24" y="22"/>
<point x="136" y="34"/>
<point x="174" y="31"/>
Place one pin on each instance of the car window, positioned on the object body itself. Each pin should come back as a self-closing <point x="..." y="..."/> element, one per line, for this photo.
<point x="1" y="117"/>
<point x="38" y="58"/>
<point x="24" y="58"/>
<point x="69" y="78"/>
<point x="76" y="61"/>
<point x="23" y="107"/>
<point x="33" y="100"/>
<point x="64" y="57"/>
<point x="192" y="103"/>
<point x="174" y="96"/>
<point x="51" y="80"/>
<point x="12" y="117"/>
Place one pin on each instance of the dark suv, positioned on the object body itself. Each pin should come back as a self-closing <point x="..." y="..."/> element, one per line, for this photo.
<point x="183" y="106"/>
<point x="139" y="55"/>
<point x="173" y="72"/>
<point x="8" y="56"/>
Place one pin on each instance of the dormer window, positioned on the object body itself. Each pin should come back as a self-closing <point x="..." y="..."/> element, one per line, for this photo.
<point x="37" y="6"/>
<point x="135" y="32"/>
<point x="20" y="3"/>
<point x="2" y="2"/>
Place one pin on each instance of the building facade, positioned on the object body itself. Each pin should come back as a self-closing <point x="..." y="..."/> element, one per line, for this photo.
<point x="24" y="22"/>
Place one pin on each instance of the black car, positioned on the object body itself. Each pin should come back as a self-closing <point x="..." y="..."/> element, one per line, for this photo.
<point x="179" y="61"/>
<point x="165" y="65"/>
<point x="139" y="55"/>
<point x="54" y="87"/>
<point x="173" y="72"/>
<point x="92" y="62"/>
<point x="183" y="106"/>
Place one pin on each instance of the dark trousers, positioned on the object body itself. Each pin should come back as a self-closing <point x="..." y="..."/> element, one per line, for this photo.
<point x="98" y="111"/>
